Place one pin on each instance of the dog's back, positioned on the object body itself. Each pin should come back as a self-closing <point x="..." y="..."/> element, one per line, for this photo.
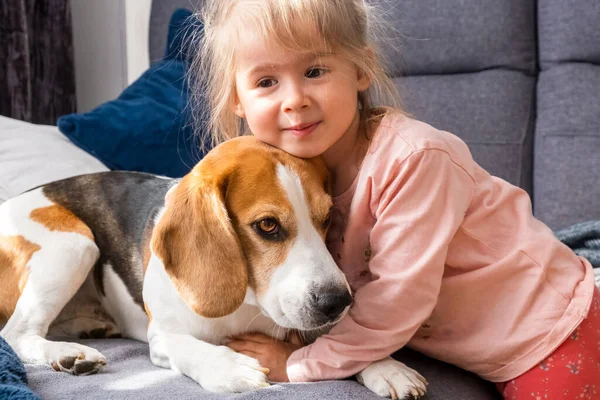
<point x="119" y="208"/>
<point x="114" y="209"/>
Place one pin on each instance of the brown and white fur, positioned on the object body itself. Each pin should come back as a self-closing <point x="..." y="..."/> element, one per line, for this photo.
<point x="236" y="245"/>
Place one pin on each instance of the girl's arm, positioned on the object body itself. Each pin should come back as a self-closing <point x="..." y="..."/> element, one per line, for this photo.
<point x="418" y="211"/>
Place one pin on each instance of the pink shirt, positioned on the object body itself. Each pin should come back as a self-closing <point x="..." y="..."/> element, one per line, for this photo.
<point x="447" y="260"/>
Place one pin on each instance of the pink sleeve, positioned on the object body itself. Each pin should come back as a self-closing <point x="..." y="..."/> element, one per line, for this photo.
<point x="418" y="210"/>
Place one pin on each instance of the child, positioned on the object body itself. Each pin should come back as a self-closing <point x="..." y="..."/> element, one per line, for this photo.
<point x="441" y="256"/>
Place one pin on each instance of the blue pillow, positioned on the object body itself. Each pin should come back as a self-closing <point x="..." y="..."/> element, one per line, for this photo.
<point x="147" y="128"/>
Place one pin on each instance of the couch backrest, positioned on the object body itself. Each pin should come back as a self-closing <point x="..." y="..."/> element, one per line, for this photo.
<point x="471" y="70"/>
<point x="160" y="15"/>
<point x="471" y="67"/>
<point x="567" y="136"/>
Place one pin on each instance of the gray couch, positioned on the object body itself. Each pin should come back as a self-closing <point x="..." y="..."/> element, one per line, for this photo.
<point x="518" y="80"/>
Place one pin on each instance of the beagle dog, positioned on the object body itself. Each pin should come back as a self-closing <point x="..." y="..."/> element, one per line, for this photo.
<point x="236" y="245"/>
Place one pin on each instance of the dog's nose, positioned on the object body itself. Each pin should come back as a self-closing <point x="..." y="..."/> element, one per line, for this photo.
<point x="332" y="304"/>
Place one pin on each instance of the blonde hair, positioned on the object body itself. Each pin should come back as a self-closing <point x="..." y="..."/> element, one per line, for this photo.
<point x="346" y="27"/>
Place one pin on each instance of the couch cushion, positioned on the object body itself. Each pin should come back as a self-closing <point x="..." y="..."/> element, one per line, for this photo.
<point x="567" y="159"/>
<point x="567" y="142"/>
<point x="568" y="31"/>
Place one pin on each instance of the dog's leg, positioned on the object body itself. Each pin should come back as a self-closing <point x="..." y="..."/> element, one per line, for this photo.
<point x="215" y="368"/>
<point x="84" y="317"/>
<point x="56" y="272"/>
<point x="391" y="378"/>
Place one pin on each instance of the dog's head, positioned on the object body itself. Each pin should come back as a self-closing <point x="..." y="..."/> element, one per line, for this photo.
<point x="252" y="216"/>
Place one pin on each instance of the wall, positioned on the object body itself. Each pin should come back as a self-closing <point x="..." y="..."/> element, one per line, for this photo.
<point x="110" y="42"/>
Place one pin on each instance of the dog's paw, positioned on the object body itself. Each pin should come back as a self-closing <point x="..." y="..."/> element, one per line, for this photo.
<point x="74" y="358"/>
<point x="233" y="372"/>
<point x="391" y="378"/>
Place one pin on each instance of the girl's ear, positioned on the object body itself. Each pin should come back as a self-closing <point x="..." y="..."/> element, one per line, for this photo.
<point x="363" y="79"/>
<point x="237" y="107"/>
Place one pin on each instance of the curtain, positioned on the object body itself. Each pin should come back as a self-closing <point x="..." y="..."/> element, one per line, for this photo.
<point x="37" y="80"/>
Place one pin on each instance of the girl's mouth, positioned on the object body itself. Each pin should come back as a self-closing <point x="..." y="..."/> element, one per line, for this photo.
<point x="303" y="130"/>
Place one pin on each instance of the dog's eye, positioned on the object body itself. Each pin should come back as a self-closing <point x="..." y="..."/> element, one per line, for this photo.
<point x="268" y="226"/>
<point x="327" y="221"/>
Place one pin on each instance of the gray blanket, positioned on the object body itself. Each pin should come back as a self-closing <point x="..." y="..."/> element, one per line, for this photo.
<point x="131" y="375"/>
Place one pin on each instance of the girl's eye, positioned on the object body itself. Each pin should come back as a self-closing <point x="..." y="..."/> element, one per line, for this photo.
<point x="315" y="72"/>
<point x="266" y="83"/>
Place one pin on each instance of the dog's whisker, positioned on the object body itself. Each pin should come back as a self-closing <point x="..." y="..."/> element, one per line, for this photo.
<point x="302" y="336"/>
<point x="274" y="330"/>
<point x="252" y="320"/>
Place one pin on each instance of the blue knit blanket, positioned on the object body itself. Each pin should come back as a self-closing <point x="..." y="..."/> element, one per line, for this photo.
<point x="13" y="379"/>
<point x="584" y="239"/>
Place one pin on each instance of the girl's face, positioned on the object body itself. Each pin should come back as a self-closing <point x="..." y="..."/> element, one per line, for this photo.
<point x="302" y="103"/>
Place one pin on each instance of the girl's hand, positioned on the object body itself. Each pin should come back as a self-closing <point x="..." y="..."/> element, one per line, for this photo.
<point x="270" y="352"/>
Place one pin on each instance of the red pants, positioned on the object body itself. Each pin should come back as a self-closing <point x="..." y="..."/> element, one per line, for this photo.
<point x="571" y="372"/>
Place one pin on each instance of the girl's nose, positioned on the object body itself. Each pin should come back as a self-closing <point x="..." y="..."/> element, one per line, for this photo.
<point x="295" y="97"/>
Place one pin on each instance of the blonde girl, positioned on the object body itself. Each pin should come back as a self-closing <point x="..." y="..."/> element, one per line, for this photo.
<point x="441" y="256"/>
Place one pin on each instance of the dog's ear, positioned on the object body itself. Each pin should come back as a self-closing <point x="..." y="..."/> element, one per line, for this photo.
<point x="199" y="247"/>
